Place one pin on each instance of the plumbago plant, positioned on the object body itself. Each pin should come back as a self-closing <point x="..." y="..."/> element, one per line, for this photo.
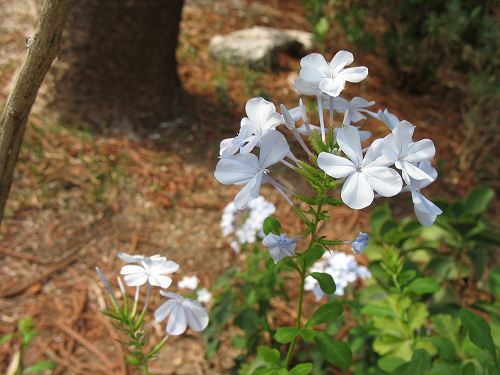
<point x="129" y="318"/>
<point x="334" y="159"/>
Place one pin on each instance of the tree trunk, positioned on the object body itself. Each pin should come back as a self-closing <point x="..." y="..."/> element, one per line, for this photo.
<point x="117" y="67"/>
<point x="42" y="49"/>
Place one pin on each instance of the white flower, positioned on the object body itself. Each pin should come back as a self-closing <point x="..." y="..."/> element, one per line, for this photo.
<point x="387" y="118"/>
<point x="127" y="258"/>
<point x="231" y="146"/>
<point x="184" y="312"/>
<point x="353" y="110"/>
<point x="151" y="270"/>
<point x="250" y="170"/>
<point x="188" y="282"/>
<point x="248" y="223"/>
<point x="364" y="175"/>
<point x="425" y="210"/>
<point x="262" y="117"/>
<point x="279" y="246"/>
<point x="331" y="77"/>
<point x="203" y="295"/>
<point x="401" y="150"/>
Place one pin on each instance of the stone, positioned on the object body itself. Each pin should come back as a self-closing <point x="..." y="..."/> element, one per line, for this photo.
<point x="258" y="47"/>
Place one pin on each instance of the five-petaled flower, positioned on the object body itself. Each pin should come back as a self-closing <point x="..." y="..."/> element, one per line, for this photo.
<point x="184" y="312"/>
<point x="279" y="246"/>
<point x="352" y="109"/>
<point x="262" y="117"/>
<point x="400" y="149"/>
<point x="250" y="170"/>
<point x="364" y="175"/>
<point x="150" y="270"/>
<point x="330" y="78"/>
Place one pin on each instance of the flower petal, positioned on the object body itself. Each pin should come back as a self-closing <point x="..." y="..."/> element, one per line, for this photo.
<point x="160" y="281"/>
<point x="166" y="308"/>
<point x="425" y="210"/>
<point x="136" y="279"/>
<point x="314" y="67"/>
<point x="335" y="166"/>
<point x="385" y="181"/>
<point x="171" y="295"/>
<point x="273" y="148"/>
<point x="332" y="86"/>
<point x="248" y="193"/>
<point x="236" y="169"/>
<point x="341" y="60"/>
<point x="412" y="171"/>
<point x="349" y="142"/>
<point x="177" y="322"/>
<point x="130" y="258"/>
<point x="421" y="150"/>
<point x="164" y="267"/>
<point x="270" y="240"/>
<point x="197" y="316"/>
<point x="340" y="104"/>
<point x="354" y="75"/>
<point x="357" y="192"/>
<point x="306" y="88"/>
<point x="261" y="114"/>
<point x="132" y="269"/>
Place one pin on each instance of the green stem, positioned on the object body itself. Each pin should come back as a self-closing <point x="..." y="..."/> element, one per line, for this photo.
<point x="303" y="271"/>
<point x="291" y="348"/>
<point x="157" y="348"/>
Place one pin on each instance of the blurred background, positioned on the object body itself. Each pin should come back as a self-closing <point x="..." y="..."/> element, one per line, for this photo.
<point x="121" y="146"/>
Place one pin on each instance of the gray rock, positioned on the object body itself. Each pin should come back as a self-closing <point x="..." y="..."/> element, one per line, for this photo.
<point x="258" y="47"/>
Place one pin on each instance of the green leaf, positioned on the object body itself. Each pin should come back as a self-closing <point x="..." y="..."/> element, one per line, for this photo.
<point x="325" y="313"/>
<point x="302" y="369"/>
<point x="307" y="334"/>
<point x="335" y="352"/>
<point x="39" y="367"/>
<point x="420" y="364"/>
<point x="389" y="363"/>
<point x="479" y="200"/>
<point x="479" y="331"/>
<point x="468" y="369"/>
<point x="132" y="360"/>
<point x="333" y="201"/>
<point x="284" y="335"/>
<point x="271" y="225"/>
<point x="381" y="311"/>
<point x="325" y="281"/>
<point x="269" y="355"/>
<point x="287" y="262"/>
<point x="314" y="253"/>
<point x="423" y="285"/>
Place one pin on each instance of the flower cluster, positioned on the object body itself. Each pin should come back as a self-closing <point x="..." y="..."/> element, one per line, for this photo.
<point x="342" y="267"/>
<point x="246" y="224"/>
<point x="384" y="168"/>
<point x="154" y="271"/>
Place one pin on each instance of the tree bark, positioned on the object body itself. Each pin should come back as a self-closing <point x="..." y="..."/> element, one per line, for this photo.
<point x="117" y="67"/>
<point x="42" y="49"/>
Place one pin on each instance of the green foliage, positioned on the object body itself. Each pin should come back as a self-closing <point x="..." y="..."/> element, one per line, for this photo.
<point x="335" y="352"/>
<point x="411" y="320"/>
<point x="243" y="298"/>
<point x="23" y="336"/>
